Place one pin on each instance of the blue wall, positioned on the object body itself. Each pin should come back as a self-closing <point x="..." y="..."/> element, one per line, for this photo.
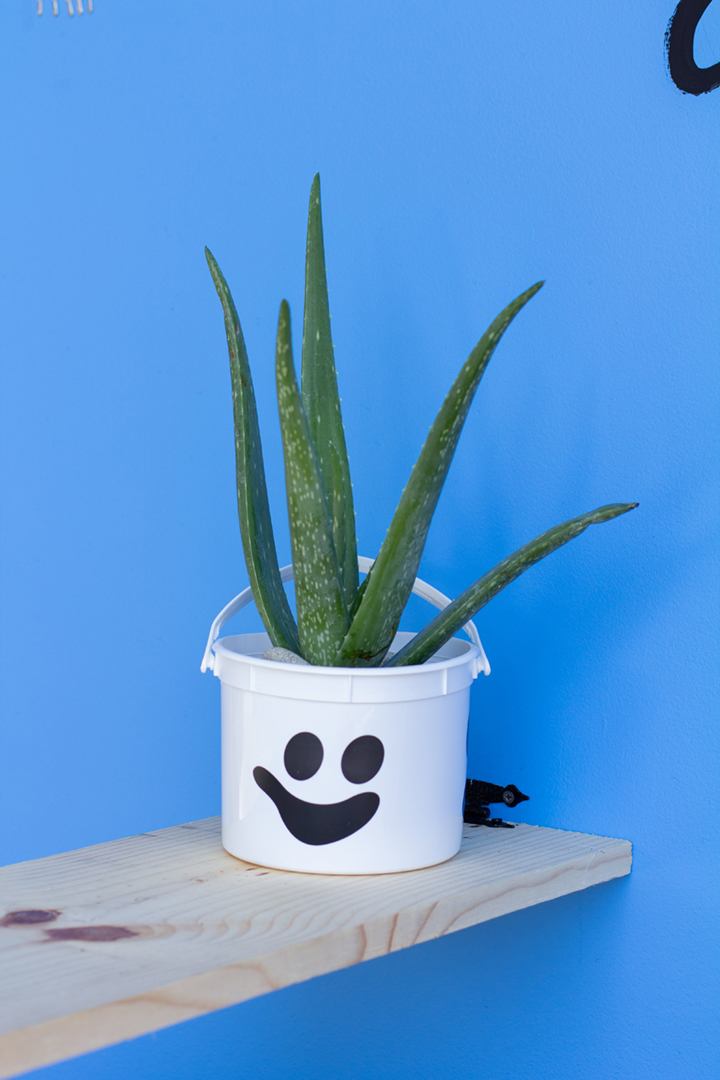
<point x="466" y="149"/>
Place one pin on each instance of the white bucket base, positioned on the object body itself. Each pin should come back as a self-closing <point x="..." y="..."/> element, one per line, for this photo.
<point x="343" y="770"/>
<point x="406" y="815"/>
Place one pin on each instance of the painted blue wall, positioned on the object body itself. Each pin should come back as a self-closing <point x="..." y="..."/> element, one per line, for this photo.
<point x="466" y="149"/>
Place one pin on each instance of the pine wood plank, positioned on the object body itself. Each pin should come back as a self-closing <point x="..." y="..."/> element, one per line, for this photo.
<point x="148" y="931"/>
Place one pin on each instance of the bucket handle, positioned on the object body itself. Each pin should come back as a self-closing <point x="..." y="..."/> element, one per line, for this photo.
<point x="420" y="588"/>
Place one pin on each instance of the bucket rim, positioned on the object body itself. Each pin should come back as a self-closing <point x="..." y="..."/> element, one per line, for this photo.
<point x="470" y="655"/>
<point x="479" y="661"/>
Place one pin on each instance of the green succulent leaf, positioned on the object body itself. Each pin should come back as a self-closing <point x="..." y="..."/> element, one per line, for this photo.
<point x="253" y="509"/>
<point x="320" y="393"/>
<point x="358" y="598"/>
<point x="337" y="507"/>
<point x="391" y="579"/>
<point x="322" y="612"/>
<point x="468" y="603"/>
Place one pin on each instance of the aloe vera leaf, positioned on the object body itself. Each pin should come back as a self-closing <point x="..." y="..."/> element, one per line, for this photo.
<point x="253" y="509"/>
<point x="322" y="612"/>
<point x="320" y="389"/>
<point x="394" y="571"/>
<point x="337" y="507"/>
<point x="468" y="603"/>
<point x="358" y="598"/>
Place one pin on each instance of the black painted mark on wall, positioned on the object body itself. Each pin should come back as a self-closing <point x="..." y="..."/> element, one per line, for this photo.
<point x="679" y="40"/>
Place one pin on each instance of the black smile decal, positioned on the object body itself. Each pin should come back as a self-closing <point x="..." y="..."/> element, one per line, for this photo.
<point x="318" y="823"/>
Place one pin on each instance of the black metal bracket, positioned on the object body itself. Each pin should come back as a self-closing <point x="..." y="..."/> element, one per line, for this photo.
<point x="478" y="796"/>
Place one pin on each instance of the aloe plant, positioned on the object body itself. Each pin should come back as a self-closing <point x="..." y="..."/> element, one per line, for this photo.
<point x="341" y="622"/>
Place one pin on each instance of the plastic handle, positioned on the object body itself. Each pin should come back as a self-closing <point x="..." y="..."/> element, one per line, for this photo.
<point x="420" y="588"/>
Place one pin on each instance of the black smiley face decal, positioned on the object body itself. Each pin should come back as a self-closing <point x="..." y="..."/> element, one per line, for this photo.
<point x="324" y="823"/>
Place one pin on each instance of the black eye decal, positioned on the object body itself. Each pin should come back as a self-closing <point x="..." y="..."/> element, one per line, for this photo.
<point x="362" y="759"/>
<point x="303" y="755"/>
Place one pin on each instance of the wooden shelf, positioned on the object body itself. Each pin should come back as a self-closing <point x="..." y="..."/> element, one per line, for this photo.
<point x="142" y="933"/>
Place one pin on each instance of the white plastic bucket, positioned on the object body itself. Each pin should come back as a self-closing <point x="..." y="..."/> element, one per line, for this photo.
<point x="343" y="770"/>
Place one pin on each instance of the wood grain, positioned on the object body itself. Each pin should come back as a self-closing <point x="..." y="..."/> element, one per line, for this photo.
<point x="114" y="941"/>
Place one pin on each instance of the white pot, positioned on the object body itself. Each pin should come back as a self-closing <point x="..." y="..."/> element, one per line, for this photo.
<point x="343" y="770"/>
